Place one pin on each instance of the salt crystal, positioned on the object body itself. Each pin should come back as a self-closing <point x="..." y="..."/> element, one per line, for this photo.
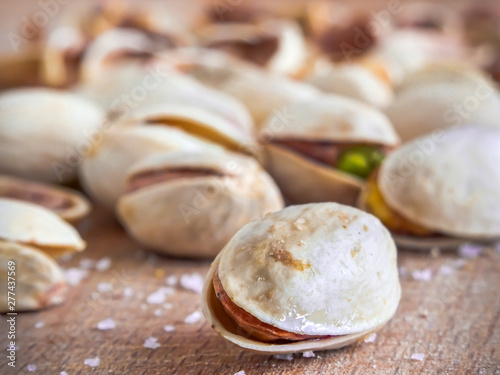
<point x="192" y="282"/>
<point x="371" y="338"/>
<point x="240" y="373"/>
<point x="309" y="354"/>
<point x="418" y="356"/>
<point x="193" y="318"/>
<point x="446" y="270"/>
<point x="171" y="280"/>
<point x="106" y="324"/>
<point x="167" y="306"/>
<point x="151" y="343"/>
<point x="167" y="290"/>
<point x="104" y="287"/>
<point x="63" y="373"/>
<point x="284" y="357"/>
<point x="422" y="275"/>
<point x="39" y="324"/>
<point x="128" y="292"/>
<point x="31" y="368"/>
<point x="103" y="264"/>
<point x="87" y="264"/>
<point x="157" y="312"/>
<point x="92" y="362"/>
<point x="156" y="297"/>
<point x="74" y="276"/>
<point x="169" y="328"/>
<point x="469" y="250"/>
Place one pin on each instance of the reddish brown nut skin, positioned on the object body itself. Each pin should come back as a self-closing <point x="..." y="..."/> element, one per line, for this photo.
<point x="250" y="324"/>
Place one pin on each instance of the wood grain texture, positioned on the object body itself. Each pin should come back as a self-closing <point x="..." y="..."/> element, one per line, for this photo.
<point x="452" y="319"/>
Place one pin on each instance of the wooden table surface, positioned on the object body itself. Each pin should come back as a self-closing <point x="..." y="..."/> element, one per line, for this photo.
<point x="453" y="319"/>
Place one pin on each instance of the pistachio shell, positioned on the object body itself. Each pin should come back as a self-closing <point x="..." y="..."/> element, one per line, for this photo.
<point x="261" y="92"/>
<point x="34" y="225"/>
<point x="70" y="204"/>
<point x="448" y="184"/>
<point x="328" y="118"/>
<point x="103" y="173"/>
<point x="353" y="81"/>
<point x="39" y="282"/>
<point x="43" y="132"/>
<point x="347" y="285"/>
<point x="195" y="216"/>
<point x="287" y="56"/>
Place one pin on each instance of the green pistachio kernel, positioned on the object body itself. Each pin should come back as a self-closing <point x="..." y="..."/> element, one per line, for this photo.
<point x="360" y="160"/>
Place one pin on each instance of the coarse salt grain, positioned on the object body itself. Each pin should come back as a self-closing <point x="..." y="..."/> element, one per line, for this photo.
<point x="63" y="373"/>
<point x="446" y="270"/>
<point x="240" y="373"/>
<point x="31" y="368"/>
<point x="104" y="287"/>
<point x="151" y="343"/>
<point x="193" y="318"/>
<point x="74" y="276"/>
<point x="171" y="280"/>
<point x="39" y="324"/>
<point x="169" y="328"/>
<point x="193" y="282"/>
<point x="371" y="338"/>
<point x="128" y="292"/>
<point x="418" y="356"/>
<point x="103" y="264"/>
<point x="284" y="357"/>
<point x="422" y="275"/>
<point x="159" y="296"/>
<point x="309" y="354"/>
<point x="167" y="306"/>
<point x="157" y="312"/>
<point x="92" y="362"/>
<point x="106" y="324"/>
<point x="469" y="250"/>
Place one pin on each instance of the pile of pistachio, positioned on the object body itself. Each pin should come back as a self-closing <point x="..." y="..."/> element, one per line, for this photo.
<point x="190" y="122"/>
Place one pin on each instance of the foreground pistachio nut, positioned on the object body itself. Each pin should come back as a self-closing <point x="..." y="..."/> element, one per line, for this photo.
<point x="44" y="132"/>
<point x="103" y="173"/>
<point x="451" y="95"/>
<point x="274" y="45"/>
<point x="67" y="203"/>
<point x="190" y="204"/>
<point x="440" y="190"/>
<point x="310" y="277"/>
<point x="33" y="225"/>
<point x="39" y="282"/>
<point x="321" y="150"/>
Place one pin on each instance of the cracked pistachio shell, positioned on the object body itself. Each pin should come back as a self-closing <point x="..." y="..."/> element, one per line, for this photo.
<point x="36" y="226"/>
<point x="67" y="203"/>
<point x="194" y="216"/>
<point x="315" y="269"/>
<point x="329" y="118"/>
<point x="39" y="282"/>
<point x="43" y="132"/>
<point x="454" y="189"/>
<point x="104" y="171"/>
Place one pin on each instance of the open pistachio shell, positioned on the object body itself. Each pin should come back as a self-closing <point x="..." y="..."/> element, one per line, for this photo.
<point x="261" y="92"/>
<point x="456" y="99"/>
<point x="39" y="282"/>
<point x="275" y="45"/>
<point x="353" y="81"/>
<point x="327" y="118"/>
<point x="44" y="132"/>
<point x="315" y="270"/>
<point x="423" y="182"/>
<point x="36" y="226"/>
<point x="103" y="173"/>
<point x="68" y="204"/>
<point x="190" y="204"/>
